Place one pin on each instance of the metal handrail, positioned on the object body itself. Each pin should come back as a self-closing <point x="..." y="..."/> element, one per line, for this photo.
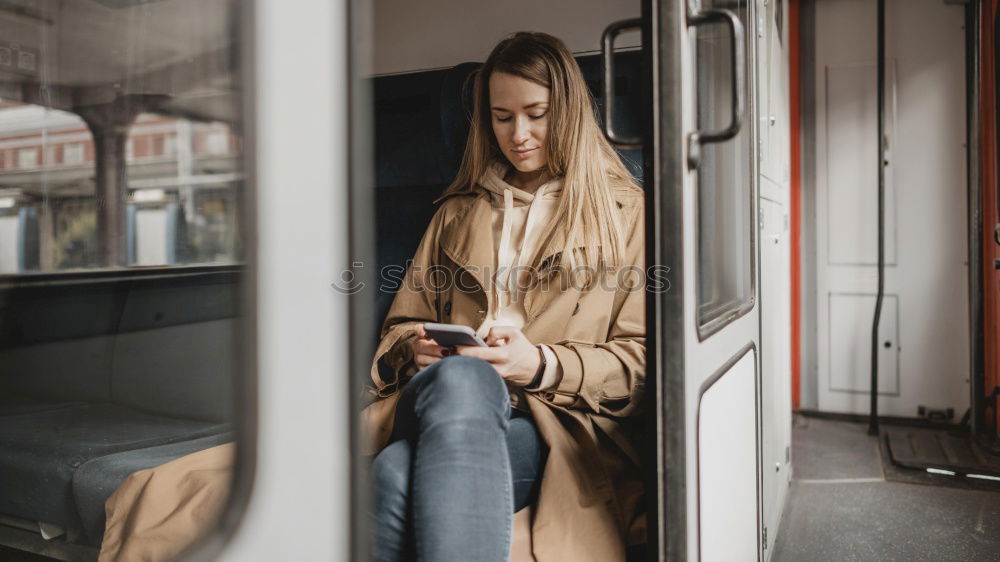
<point x="608" y="75"/>
<point x="738" y="58"/>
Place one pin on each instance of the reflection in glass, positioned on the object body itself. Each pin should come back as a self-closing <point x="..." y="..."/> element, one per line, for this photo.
<point x="724" y="179"/>
<point x="181" y="196"/>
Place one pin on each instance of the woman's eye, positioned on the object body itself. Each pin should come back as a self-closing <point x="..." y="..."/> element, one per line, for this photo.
<point x="501" y="119"/>
<point x="539" y="116"/>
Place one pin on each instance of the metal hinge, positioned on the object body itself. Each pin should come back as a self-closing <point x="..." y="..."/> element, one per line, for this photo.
<point x="764" y="536"/>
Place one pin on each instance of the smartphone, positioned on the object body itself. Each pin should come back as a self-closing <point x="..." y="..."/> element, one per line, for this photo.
<point x="448" y="335"/>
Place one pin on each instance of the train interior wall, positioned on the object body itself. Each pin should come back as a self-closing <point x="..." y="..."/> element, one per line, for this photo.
<point x="924" y="330"/>
<point x="411" y="36"/>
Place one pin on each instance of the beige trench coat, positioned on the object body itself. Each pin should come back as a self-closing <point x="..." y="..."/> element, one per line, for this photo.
<point x="590" y="498"/>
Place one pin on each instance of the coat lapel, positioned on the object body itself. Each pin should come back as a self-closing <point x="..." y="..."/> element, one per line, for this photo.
<point x="468" y="241"/>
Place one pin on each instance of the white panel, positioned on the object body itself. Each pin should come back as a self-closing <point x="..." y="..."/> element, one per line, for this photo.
<point x="775" y="375"/>
<point x="850" y="343"/>
<point x="8" y="244"/>
<point x="727" y="465"/>
<point x="151" y="237"/>
<point x="439" y="33"/>
<point x="852" y="167"/>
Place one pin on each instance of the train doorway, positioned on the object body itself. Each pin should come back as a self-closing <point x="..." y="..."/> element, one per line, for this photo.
<point x="924" y="328"/>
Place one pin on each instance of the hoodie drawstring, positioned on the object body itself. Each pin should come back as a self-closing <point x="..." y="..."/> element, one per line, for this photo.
<point x="502" y="263"/>
<point x="508" y="208"/>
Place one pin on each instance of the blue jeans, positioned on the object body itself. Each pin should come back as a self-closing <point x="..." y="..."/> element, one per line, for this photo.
<point x="459" y="465"/>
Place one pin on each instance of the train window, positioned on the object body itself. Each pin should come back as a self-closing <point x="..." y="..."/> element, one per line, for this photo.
<point x="122" y="223"/>
<point x="725" y="225"/>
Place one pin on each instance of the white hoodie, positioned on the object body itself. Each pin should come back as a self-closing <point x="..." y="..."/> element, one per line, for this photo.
<point x="519" y="220"/>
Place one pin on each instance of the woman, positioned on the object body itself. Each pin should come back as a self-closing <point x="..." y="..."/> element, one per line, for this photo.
<point x="538" y="245"/>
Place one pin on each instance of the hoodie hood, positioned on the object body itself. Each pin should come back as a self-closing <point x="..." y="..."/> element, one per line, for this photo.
<point x="493" y="182"/>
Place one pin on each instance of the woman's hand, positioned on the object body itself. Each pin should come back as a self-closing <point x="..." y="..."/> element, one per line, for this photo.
<point x="510" y="353"/>
<point x="425" y="350"/>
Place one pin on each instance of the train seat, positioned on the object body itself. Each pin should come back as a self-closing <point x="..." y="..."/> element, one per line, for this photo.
<point x="421" y="123"/>
<point x="95" y="480"/>
<point x="41" y="451"/>
<point x="140" y="379"/>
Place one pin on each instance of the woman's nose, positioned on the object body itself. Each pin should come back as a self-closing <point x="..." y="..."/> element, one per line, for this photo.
<point x="522" y="132"/>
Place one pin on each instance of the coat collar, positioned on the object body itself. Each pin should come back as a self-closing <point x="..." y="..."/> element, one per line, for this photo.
<point x="467" y="239"/>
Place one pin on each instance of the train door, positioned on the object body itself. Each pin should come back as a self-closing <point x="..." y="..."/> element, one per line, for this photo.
<point x="710" y="346"/>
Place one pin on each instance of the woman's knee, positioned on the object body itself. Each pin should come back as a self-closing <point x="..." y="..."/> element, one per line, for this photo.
<point x="463" y="379"/>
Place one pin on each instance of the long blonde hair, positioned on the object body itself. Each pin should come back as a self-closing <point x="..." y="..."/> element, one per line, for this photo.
<point x="577" y="149"/>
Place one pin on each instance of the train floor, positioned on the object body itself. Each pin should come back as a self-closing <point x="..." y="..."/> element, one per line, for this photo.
<point x="840" y="506"/>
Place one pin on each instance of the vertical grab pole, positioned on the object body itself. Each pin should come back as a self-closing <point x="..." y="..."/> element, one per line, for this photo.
<point x="873" y="418"/>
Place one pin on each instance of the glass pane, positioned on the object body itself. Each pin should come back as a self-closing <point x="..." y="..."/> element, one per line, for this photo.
<point x="120" y="154"/>
<point x="724" y="179"/>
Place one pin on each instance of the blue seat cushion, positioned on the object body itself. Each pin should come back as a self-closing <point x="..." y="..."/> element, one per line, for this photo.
<point x="42" y="450"/>
<point x="95" y="480"/>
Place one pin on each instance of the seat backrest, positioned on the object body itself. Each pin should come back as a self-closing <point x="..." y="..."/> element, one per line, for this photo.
<point x="174" y="354"/>
<point x="163" y="343"/>
<point x="421" y="123"/>
<point x="56" y="338"/>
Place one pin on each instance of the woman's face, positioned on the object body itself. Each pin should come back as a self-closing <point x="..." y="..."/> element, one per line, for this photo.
<point x="519" y="110"/>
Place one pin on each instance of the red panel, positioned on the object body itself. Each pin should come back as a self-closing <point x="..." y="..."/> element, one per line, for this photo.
<point x="795" y="195"/>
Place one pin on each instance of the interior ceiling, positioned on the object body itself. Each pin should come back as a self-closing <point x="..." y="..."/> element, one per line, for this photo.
<point x="94" y="50"/>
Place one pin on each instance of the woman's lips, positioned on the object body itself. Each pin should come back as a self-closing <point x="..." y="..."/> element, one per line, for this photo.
<point x="524" y="154"/>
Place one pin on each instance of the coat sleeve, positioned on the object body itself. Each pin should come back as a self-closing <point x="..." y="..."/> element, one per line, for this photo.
<point x="413" y="305"/>
<point x="608" y="378"/>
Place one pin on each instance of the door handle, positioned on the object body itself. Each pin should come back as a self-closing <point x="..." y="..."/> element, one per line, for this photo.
<point x="608" y="74"/>
<point x="738" y="55"/>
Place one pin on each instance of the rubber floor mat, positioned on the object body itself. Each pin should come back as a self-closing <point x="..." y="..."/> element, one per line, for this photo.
<point x="941" y="452"/>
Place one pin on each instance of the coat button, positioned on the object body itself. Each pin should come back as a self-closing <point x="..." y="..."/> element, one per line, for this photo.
<point x="576" y="309"/>
<point x="447" y="307"/>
